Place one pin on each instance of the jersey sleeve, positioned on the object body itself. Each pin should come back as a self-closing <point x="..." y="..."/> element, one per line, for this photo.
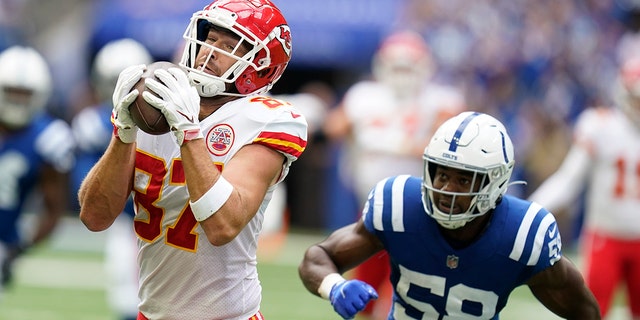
<point x="285" y="133"/>
<point x="384" y="210"/>
<point x="369" y="205"/>
<point x="588" y="127"/>
<point x="92" y="130"/>
<point x="537" y="242"/>
<point x="56" y="145"/>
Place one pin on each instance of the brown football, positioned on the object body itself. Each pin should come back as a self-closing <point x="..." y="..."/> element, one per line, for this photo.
<point x="148" y="118"/>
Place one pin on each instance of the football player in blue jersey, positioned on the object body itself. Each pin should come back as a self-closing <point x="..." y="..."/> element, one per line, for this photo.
<point x="36" y="154"/>
<point x="458" y="244"/>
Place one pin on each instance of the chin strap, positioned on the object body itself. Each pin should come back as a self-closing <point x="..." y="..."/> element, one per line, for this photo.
<point x="206" y="86"/>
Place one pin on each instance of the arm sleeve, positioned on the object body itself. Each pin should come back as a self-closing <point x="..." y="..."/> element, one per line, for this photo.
<point x="563" y="186"/>
<point x="56" y="145"/>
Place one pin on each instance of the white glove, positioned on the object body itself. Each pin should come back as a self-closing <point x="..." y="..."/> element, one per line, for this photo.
<point x="125" y="129"/>
<point x="178" y="101"/>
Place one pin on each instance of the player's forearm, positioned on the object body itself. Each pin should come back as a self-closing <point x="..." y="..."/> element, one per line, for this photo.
<point x="315" y="266"/>
<point x="225" y="203"/>
<point x="106" y="188"/>
<point x="55" y="194"/>
<point x="582" y="304"/>
<point x="209" y="193"/>
<point x="200" y="171"/>
<point x="587" y="312"/>
<point x="562" y="290"/>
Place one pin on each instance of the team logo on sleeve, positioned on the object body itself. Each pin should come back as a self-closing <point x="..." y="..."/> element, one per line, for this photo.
<point x="220" y="139"/>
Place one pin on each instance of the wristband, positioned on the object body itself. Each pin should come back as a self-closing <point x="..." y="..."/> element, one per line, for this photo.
<point x="212" y="200"/>
<point x="327" y="284"/>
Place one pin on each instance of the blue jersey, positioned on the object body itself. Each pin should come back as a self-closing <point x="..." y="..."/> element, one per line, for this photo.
<point x="92" y="129"/>
<point x="45" y="141"/>
<point x="431" y="279"/>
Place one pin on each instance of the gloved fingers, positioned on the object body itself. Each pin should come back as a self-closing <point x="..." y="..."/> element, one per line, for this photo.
<point x="190" y="93"/>
<point x="130" y="97"/>
<point x="155" y="101"/>
<point x="169" y="80"/>
<point x="180" y="76"/>
<point x="368" y="293"/>
<point x="126" y="81"/>
<point x="162" y="89"/>
<point x="174" y="86"/>
<point x="345" y="312"/>
<point x="122" y="116"/>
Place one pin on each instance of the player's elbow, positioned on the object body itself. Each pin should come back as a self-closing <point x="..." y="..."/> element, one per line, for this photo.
<point x="219" y="240"/>
<point x="94" y="222"/>
<point x="222" y="236"/>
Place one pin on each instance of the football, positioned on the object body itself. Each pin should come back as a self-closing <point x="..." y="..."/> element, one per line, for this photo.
<point x="148" y="118"/>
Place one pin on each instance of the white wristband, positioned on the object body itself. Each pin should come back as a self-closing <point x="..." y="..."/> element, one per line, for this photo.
<point x="327" y="284"/>
<point x="212" y="200"/>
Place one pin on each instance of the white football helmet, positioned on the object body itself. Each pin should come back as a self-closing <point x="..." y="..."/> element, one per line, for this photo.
<point x="404" y="62"/>
<point x="114" y="57"/>
<point x="626" y="90"/>
<point x="258" y="23"/>
<point x="473" y="142"/>
<point x="25" y="85"/>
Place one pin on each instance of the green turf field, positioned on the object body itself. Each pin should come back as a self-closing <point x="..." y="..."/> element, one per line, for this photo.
<point x="64" y="280"/>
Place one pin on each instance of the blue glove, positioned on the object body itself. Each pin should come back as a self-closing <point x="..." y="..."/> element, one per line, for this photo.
<point x="350" y="297"/>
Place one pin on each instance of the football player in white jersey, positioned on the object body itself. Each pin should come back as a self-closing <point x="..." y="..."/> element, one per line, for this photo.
<point x="387" y="121"/>
<point x="92" y="128"/>
<point x="605" y="157"/>
<point x="200" y="202"/>
<point x="458" y="244"/>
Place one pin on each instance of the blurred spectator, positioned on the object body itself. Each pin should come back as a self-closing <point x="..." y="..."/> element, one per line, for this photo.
<point x="305" y="198"/>
<point x="157" y="24"/>
<point x="92" y="129"/>
<point x="36" y="154"/>
<point x="386" y="122"/>
<point x="11" y="16"/>
<point x="510" y="56"/>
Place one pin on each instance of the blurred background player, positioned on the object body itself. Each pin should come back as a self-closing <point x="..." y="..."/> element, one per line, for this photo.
<point x="36" y="154"/>
<point x="92" y="129"/>
<point x="387" y="121"/>
<point x="605" y="159"/>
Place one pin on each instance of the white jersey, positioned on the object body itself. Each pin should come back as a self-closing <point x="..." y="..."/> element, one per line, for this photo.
<point x="386" y="131"/>
<point x="183" y="276"/>
<point x="606" y="155"/>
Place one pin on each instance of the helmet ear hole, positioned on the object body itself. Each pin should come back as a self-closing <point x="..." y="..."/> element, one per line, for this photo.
<point x="266" y="73"/>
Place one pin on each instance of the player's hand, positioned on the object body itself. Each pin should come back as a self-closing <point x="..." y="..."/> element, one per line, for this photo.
<point x="350" y="297"/>
<point x="178" y="101"/>
<point x="125" y="128"/>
